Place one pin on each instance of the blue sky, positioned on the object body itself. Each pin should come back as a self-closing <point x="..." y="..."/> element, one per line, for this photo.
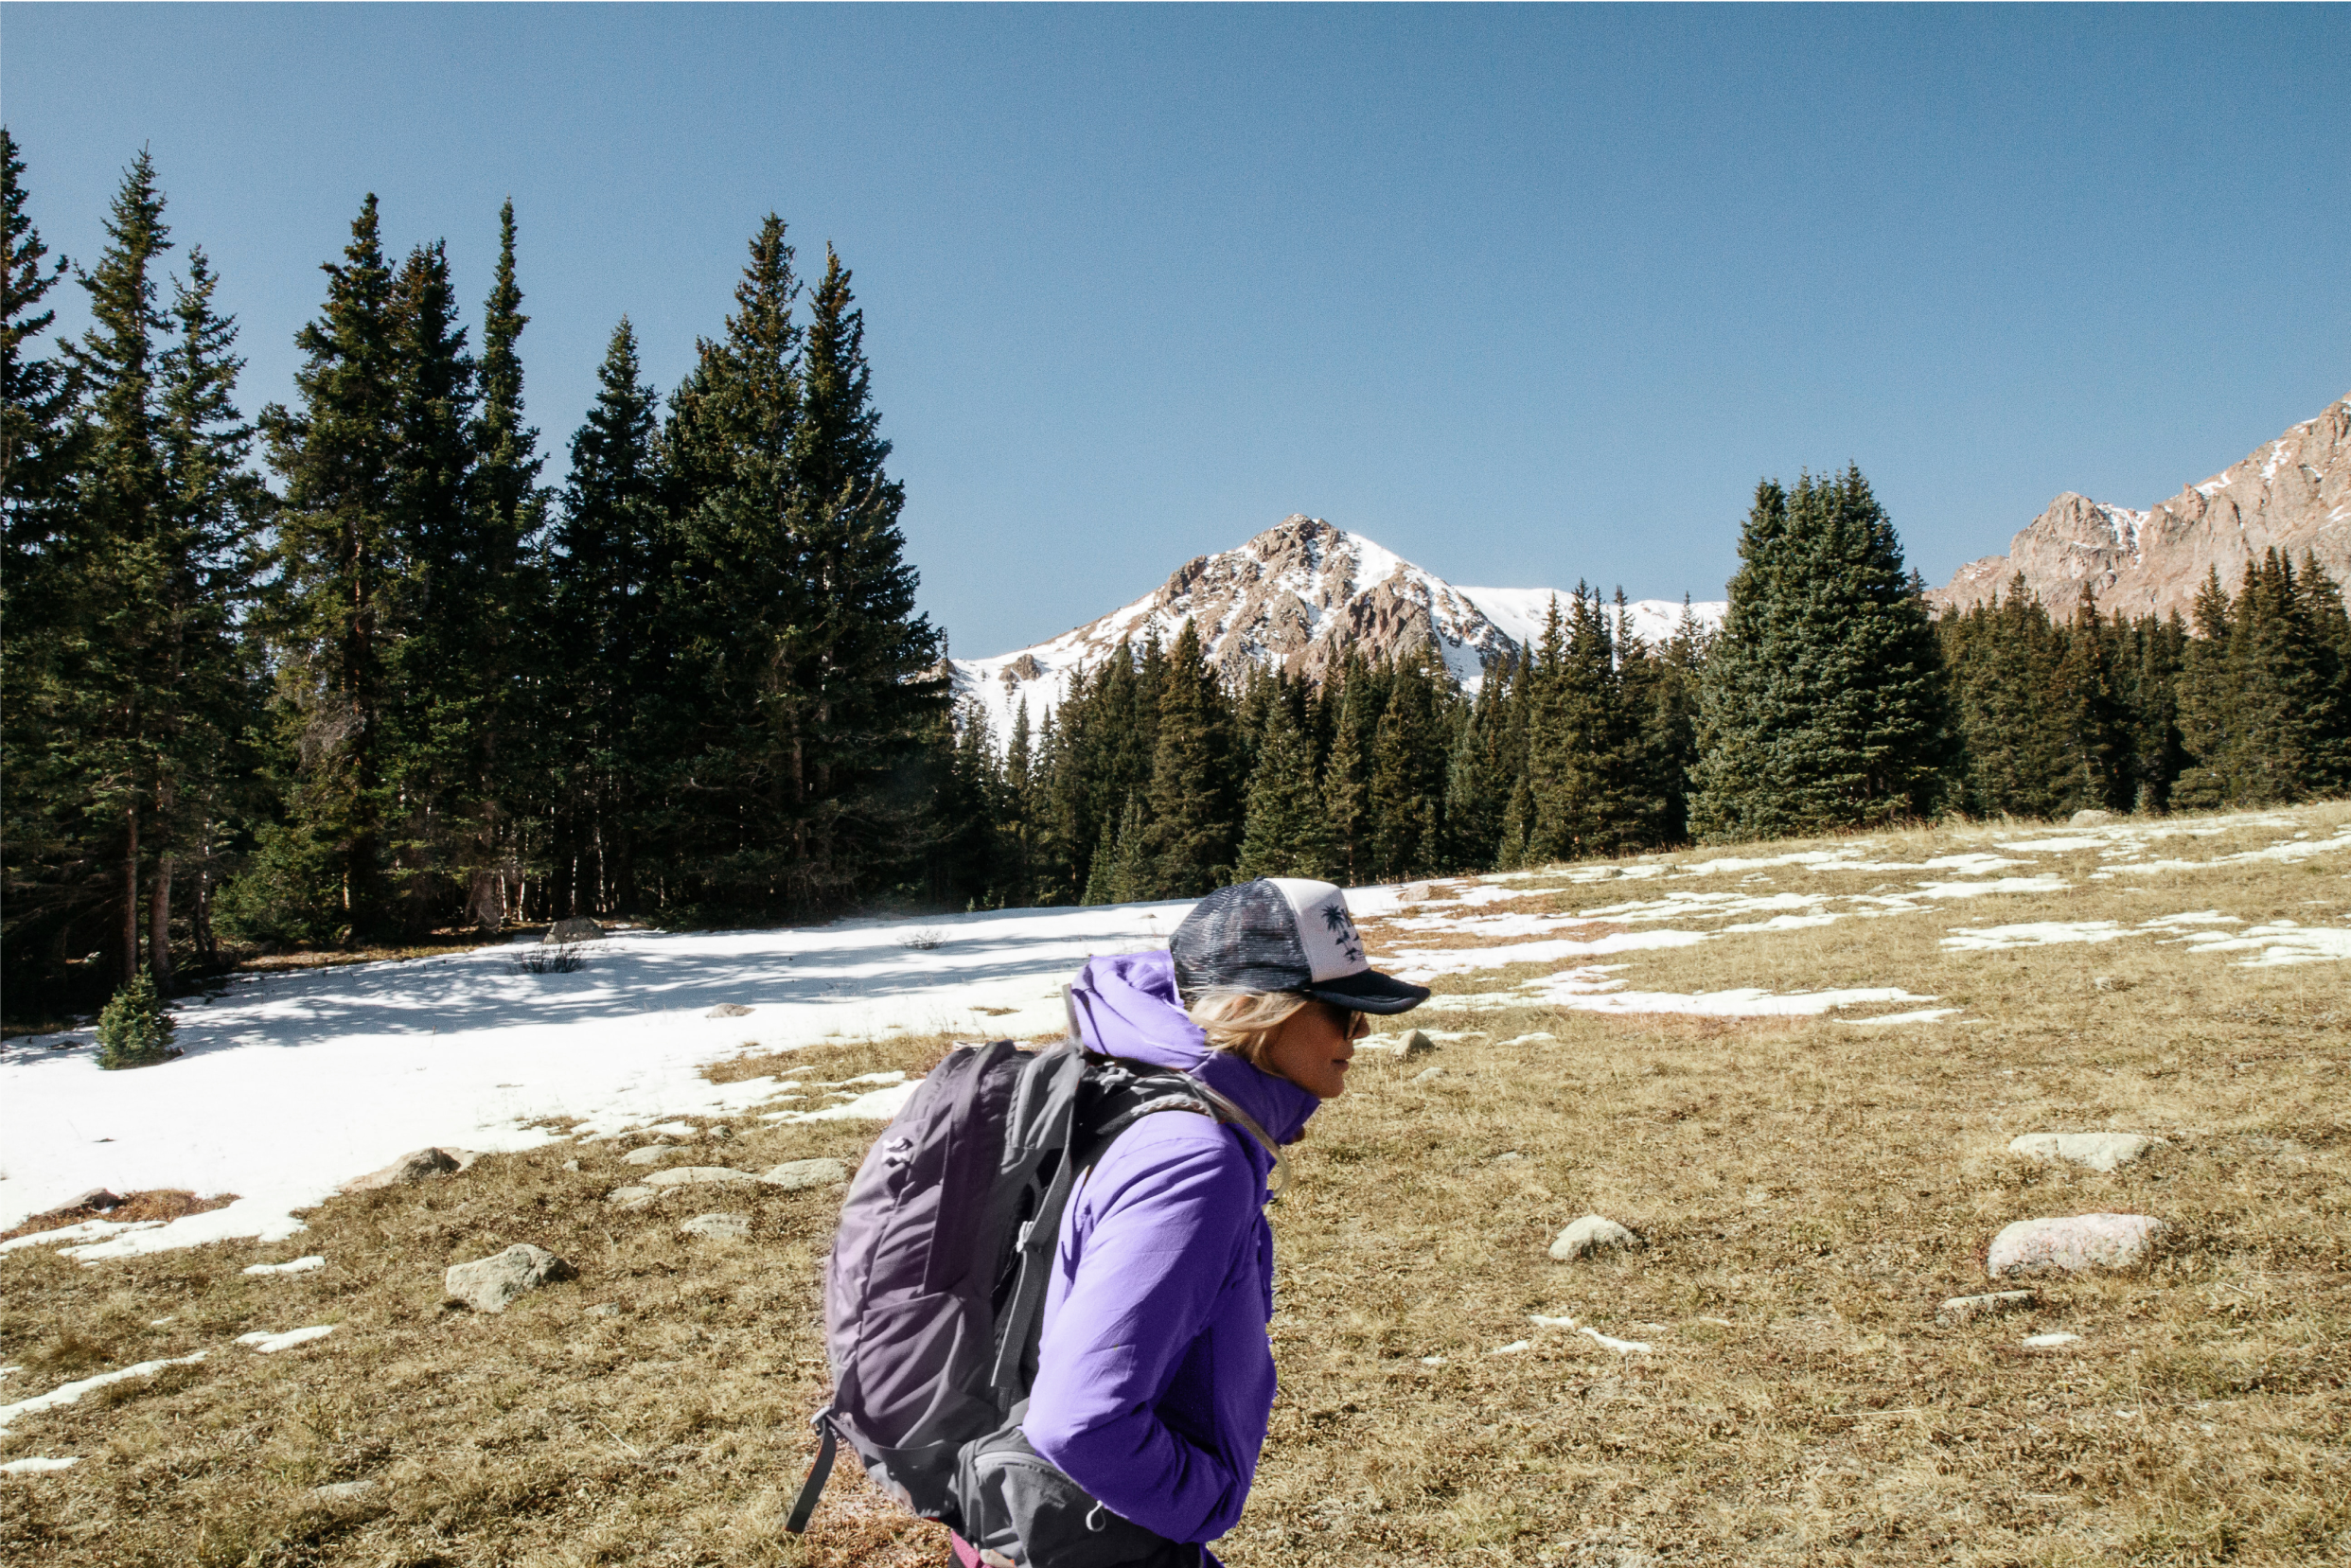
<point x="1527" y="295"/>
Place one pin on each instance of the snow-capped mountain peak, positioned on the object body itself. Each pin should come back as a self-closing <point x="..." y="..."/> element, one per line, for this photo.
<point x="1297" y="597"/>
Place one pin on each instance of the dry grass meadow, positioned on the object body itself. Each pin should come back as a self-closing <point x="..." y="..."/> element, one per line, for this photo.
<point x="1809" y="1189"/>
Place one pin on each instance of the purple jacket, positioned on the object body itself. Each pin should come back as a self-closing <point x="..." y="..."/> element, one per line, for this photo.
<point x="1155" y="1380"/>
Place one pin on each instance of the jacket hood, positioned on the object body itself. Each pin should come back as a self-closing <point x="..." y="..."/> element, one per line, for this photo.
<point x="1124" y="1004"/>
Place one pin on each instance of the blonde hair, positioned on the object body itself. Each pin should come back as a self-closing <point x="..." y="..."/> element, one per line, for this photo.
<point x="1245" y="1022"/>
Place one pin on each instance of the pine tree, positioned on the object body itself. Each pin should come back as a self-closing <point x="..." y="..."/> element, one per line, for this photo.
<point x="505" y="594"/>
<point x="214" y="508"/>
<point x="338" y="603"/>
<point x="2208" y="704"/>
<point x="734" y="599"/>
<point x="136" y="1028"/>
<point x="602" y="705"/>
<point x="1287" y="824"/>
<point x="52" y="893"/>
<point x="436" y="707"/>
<point x="2097" y="727"/>
<point x="2002" y="660"/>
<point x="1409" y="752"/>
<point x="1194" y="827"/>
<point x="36" y="401"/>
<point x="1344" y="786"/>
<point x="111" y="700"/>
<point x="859" y="681"/>
<point x="1823" y="701"/>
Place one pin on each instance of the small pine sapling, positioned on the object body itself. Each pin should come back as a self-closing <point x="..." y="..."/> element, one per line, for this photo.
<point x="136" y="1028"/>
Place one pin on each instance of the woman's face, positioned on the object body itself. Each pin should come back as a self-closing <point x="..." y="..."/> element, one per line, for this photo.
<point x="1314" y="1045"/>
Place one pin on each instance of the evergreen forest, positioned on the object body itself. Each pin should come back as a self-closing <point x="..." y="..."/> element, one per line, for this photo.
<point x="350" y="671"/>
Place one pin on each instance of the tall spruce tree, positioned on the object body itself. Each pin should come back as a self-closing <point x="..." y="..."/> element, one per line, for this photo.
<point x="1195" y="820"/>
<point x="338" y="605"/>
<point x="733" y="601"/>
<point x="860" y="684"/>
<point x="214" y="510"/>
<point x="115" y="694"/>
<point x="1410" y="747"/>
<point x="1823" y="701"/>
<point x="1286" y="825"/>
<point x="602" y="702"/>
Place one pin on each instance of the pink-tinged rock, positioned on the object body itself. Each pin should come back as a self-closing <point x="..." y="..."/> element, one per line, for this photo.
<point x="2074" y="1243"/>
<point x="2293" y="494"/>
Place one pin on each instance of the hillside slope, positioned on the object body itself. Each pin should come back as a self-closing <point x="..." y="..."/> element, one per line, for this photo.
<point x="2293" y="494"/>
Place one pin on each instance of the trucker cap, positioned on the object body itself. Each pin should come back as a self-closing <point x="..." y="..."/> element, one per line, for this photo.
<point x="1282" y="933"/>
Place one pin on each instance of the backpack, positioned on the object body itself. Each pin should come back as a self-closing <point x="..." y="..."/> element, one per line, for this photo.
<point x="935" y="1289"/>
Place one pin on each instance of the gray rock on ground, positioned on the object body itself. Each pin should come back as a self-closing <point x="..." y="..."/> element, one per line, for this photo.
<point x="487" y="1284"/>
<point x="632" y="1197"/>
<point x="1963" y="1308"/>
<point x="1590" y="1235"/>
<point x="602" y="1309"/>
<point x="577" y="928"/>
<point x="696" y="1175"/>
<point x="1414" y="1044"/>
<point x="794" y="1174"/>
<point x="724" y="1227"/>
<point x="2090" y="816"/>
<point x="653" y="1154"/>
<point x="341" y="1491"/>
<point x="2073" y="1243"/>
<point x="1428" y="1075"/>
<point x="728" y="1009"/>
<point x="2098" y="1151"/>
<point x="418" y="1165"/>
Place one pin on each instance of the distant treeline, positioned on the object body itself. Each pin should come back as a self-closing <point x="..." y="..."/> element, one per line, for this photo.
<point x="1829" y="700"/>
<point x="393" y="683"/>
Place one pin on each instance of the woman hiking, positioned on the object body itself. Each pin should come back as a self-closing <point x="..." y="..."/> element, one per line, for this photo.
<point x="1155" y="1379"/>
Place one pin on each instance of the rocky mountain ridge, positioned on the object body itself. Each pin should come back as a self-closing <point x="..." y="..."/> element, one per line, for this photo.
<point x="2293" y="494"/>
<point x="1297" y="597"/>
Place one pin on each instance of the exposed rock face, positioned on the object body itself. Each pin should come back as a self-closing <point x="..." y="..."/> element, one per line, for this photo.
<point x="1298" y="597"/>
<point x="2294" y="494"/>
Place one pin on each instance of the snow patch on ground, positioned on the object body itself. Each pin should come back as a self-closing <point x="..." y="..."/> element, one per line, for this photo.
<point x="65" y="1394"/>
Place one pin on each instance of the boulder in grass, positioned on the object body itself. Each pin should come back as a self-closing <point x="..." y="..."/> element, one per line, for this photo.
<point x="794" y="1174"/>
<point x="488" y="1284"/>
<point x="2098" y="1151"/>
<point x="1590" y="1235"/>
<point x="1414" y="1044"/>
<point x="2073" y="1244"/>
<point x="653" y="1154"/>
<point x="2090" y="816"/>
<point x="728" y="1009"/>
<point x="409" y="1168"/>
<point x="577" y="928"/>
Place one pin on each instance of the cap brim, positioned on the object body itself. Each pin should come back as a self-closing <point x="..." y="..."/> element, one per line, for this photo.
<point x="1371" y="992"/>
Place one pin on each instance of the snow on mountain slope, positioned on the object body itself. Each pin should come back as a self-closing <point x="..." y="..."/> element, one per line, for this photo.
<point x="1297" y="597"/>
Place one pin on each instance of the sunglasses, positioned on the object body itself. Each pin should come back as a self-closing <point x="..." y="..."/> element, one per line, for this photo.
<point x="1351" y="1024"/>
